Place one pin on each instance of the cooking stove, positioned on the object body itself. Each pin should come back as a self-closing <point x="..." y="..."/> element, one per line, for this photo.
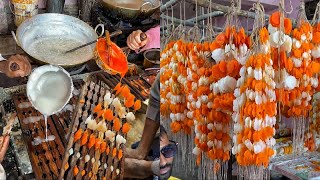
<point x="101" y="16"/>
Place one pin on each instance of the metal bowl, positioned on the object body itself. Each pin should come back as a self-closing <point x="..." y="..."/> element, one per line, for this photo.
<point x="151" y="58"/>
<point x="49" y="89"/>
<point x="130" y="10"/>
<point x="47" y="36"/>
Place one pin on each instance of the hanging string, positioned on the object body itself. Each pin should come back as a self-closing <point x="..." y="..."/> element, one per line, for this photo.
<point x="257" y="25"/>
<point x="316" y="16"/>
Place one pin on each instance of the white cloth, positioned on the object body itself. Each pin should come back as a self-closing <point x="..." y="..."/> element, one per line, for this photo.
<point x="2" y="173"/>
<point x="155" y="166"/>
<point x="2" y="59"/>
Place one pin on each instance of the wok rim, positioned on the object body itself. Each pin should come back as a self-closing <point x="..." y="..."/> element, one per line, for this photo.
<point x="77" y="21"/>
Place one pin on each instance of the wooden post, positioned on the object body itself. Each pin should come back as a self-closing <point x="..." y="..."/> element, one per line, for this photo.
<point x="85" y="9"/>
<point x="55" y="6"/>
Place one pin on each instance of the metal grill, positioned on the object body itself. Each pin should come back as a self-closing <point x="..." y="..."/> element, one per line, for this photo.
<point x="46" y="158"/>
<point x="92" y="94"/>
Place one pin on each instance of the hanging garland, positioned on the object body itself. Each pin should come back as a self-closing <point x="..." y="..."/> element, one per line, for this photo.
<point x="255" y="106"/>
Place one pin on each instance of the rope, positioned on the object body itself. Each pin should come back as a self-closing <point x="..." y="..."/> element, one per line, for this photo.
<point x="316" y="16"/>
<point x="258" y="25"/>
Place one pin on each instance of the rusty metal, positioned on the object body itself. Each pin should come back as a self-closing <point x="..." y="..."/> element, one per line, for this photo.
<point x="141" y="85"/>
<point x="92" y="94"/>
<point x="46" y="158"/>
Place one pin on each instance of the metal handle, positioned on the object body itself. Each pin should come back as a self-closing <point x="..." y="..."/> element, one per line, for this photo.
<point x="115" y="33"/>
<point x="143" y="36"/>
<point x="102" y="31"/>
<point x="145" y="10"/>
<point x="15" y="38"/>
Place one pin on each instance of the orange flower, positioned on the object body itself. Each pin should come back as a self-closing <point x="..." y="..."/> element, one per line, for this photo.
<point x="287" y="25"/>
<point x="316" y="37"/>
<point x="264" y="35"/>
<point x="275" y="19"/>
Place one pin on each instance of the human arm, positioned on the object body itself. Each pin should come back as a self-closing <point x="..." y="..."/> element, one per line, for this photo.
<point x="4" y="143"/>
<point x="151" y="125"/>
<point x="152" y="41"/>
<point x="140" y="169"/>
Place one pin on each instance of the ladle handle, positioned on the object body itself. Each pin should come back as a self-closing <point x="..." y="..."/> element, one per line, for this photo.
<point x="15" y="38"/>
<point x="143" y="36"/>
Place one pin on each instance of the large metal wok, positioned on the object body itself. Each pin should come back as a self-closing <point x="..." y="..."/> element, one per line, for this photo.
<point x="131" y="10"/>
<point x="46" y="37"/>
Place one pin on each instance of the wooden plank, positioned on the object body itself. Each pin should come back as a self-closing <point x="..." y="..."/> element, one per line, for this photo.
<point x="55" y="6"/>
<point x="8" y="46"/>
<point x="85" y="9"/>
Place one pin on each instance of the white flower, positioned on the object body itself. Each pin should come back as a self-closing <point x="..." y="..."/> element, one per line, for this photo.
<point x="303" y="37"/>
<point x="271" y="29"/>
<point x="287" y="45"/>
<point x="218" y="55"/>
<point x="248" y="122"/>
<point x="305" y="55"/>
<point x="258" y="99"/>
<point x="296" y="62"/>
<point x="275" y="39"/>
<point x="196" y="151"/>
<point x="210" y="126"/>
<point x="316" y="52"/>
<point x="290" y="82"/>
<point x="248" y="144"/>
<point x="257" y="124"/>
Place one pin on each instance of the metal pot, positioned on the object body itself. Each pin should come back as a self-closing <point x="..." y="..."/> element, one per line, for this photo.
<point x="151" y="58"/>
<point x="130" y="10"/>
<point x="49" y="89"/>
<point x="46" y="37"/>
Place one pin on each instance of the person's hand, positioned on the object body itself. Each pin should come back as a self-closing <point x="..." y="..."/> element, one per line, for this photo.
<point x="17" y="66"/>
<point x="4" y="144"/>
<point x="134" y="41"/>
